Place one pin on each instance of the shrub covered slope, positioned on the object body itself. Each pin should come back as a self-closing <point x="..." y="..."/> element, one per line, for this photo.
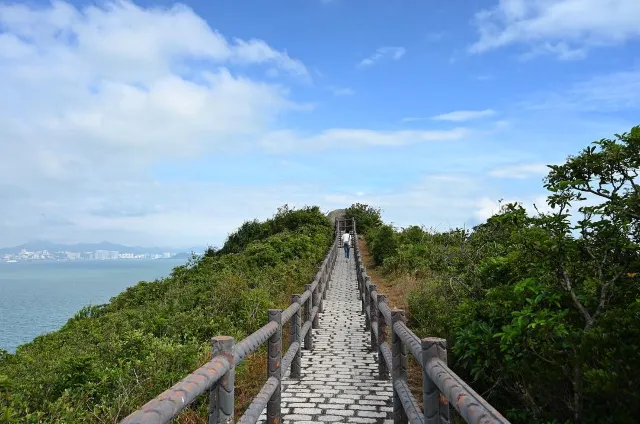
<point x="109" y="360"/>
<point x="541" y="312"/>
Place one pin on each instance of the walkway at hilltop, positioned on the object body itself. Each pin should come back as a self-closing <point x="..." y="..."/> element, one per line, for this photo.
<point x="338" y="382"/>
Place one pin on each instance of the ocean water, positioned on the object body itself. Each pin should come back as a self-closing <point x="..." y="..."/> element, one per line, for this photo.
<point x="39" y="297"/>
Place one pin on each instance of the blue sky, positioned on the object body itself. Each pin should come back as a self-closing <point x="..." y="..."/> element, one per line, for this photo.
<point x="170" y="124"/>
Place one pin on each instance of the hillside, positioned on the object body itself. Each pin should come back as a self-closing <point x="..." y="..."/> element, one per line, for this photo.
<point x="107" y="361"/>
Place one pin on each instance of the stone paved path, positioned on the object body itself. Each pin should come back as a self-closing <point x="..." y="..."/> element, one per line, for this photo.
<point x="338" y="381"/>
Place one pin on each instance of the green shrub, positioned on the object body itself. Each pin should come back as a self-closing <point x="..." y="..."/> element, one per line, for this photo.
<point x="382" y="243"/>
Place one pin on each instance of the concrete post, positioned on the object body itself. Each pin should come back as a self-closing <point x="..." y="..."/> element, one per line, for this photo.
<point x="295" y="330"/>
<point x="367" y="300"/>
<point x="436" y="406"/>
<point x="308" y="306"/>
<point x="399" y="368"/>
<point x="316" y="302"/>
<point x="383" y="371"/>
<point x="274" y="359"/>
<point x="221" y="394"/>
<point x="373" y="313"/>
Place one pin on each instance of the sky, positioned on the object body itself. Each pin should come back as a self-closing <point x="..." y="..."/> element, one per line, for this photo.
<point x="169" y="124"/>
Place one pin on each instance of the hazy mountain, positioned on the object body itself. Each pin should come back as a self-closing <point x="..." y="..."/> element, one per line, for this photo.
<point x="36" y="245"/>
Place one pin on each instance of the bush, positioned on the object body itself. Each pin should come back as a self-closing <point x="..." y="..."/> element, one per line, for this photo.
<point x="382" y="243"/>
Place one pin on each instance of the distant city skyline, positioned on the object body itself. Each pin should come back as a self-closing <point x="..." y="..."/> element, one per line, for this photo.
<point x="104" y="246"/>
<point x="66" y="255"/>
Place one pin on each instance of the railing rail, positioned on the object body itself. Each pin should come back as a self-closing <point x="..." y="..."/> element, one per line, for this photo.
<point x="217" y="376"/>
<point x="440" y="385"/>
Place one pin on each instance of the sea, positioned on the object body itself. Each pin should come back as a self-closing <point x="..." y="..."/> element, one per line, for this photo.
<point x="40" y="296"/>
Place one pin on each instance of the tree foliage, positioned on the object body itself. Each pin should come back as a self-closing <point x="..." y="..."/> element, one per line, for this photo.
<point x="109" y="360"/>
<point x="367" y="217"/>
<point x="542" y="312"/>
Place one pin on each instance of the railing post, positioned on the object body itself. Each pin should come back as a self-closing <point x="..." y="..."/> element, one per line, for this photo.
<point x="367" y="300"/>
<point x="308" y="306"/>
<point x="436" y="406"/>
<point x="221" y="394"/>
<point x="273" y="367"/>
<point x="325" y="284"/>
<point x="399" y="368"/>
<point x="373" y="313"/>
<point x="295" y="328"/>
<point x="383" y="370"/>
<point x="361" y="272"/>
<point x="319" y="291"/>
<point x="316" y="302"/>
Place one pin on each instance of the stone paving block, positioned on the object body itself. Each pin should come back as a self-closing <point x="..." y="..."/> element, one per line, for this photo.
<point x="343" y="412"/>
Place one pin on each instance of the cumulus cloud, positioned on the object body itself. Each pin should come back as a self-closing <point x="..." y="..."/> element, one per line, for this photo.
<point x="83" y="87"/>
<point x="565" y="28"/>
<point x="383" y="53"/>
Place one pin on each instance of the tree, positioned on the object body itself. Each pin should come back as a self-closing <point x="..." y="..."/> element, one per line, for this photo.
<point x="592" y="267"/>
<point x="554" y="332"/>
<point x="367" y="217"/>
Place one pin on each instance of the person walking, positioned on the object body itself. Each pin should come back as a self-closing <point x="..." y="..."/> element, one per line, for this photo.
<point x="346" y="241"/>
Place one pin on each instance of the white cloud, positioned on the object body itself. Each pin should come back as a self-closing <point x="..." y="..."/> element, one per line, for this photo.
<point x="521" y="171"/>
<point x="561" y="50"/>
<point x="287" y="140"/>
<point x="464" y="115"/>
<point x="565" y="28"/>
<point x="383" y="53"/>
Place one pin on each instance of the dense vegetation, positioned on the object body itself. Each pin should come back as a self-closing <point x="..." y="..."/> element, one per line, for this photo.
<point x="110" y="359"/>
<point x="541" y="312"/>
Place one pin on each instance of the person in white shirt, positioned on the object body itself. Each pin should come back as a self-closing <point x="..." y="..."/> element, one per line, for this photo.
<point x="346" y="241"/>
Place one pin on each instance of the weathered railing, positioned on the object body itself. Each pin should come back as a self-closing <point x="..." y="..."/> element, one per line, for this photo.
<point x="217" y="376"/>
<point x="440" y="385"/>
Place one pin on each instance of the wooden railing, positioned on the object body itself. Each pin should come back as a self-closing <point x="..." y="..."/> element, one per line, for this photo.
<point x="217" y="376"/>
<point x="440" y="385"/>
